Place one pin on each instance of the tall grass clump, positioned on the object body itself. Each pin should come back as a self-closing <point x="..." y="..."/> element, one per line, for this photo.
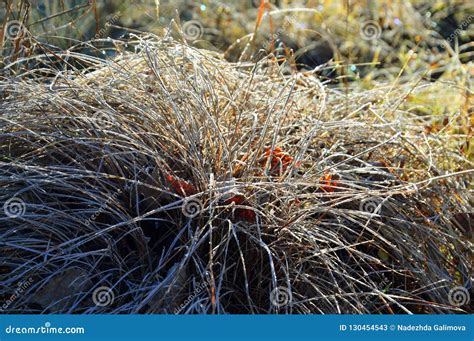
<point x="185" y="183"/>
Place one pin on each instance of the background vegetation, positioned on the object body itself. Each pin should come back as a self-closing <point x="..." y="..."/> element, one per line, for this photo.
<point x="323" y="147"/>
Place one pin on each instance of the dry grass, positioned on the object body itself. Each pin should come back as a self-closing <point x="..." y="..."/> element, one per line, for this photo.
<point x="338" y="197"/>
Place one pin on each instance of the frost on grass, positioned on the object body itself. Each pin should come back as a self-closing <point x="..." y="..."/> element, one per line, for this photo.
<point x="336" y="200"/>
